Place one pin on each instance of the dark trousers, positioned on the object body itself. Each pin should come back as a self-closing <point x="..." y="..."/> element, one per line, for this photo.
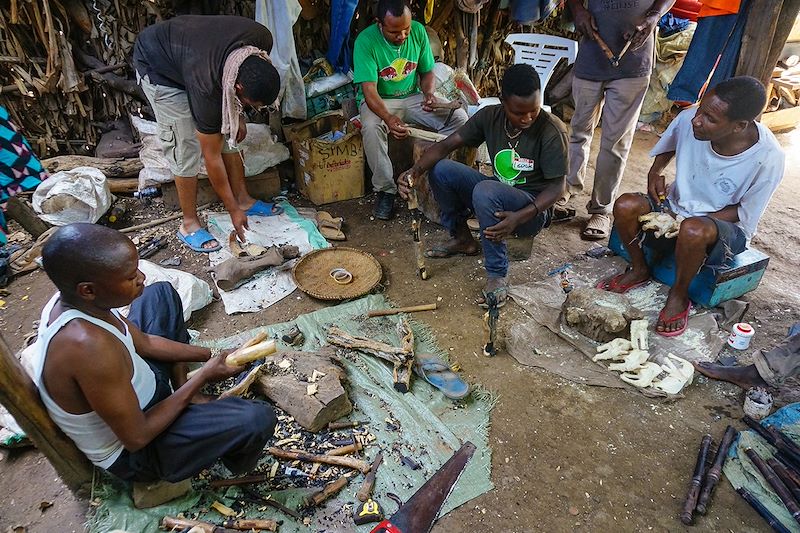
<point x="232" y="430"/>
<point x="459" y="189"/>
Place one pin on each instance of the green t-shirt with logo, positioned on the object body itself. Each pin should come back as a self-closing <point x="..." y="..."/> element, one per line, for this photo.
<point x="393" y="68"/>
<point x="529" y="161"/>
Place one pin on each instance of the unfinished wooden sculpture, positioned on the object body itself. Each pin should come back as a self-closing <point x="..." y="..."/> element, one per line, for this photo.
<point x="598" y="314"/>
<point x="234" y="271"/>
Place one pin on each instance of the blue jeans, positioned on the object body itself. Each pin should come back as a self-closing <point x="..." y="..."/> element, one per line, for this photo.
<point x="459" y="189"/>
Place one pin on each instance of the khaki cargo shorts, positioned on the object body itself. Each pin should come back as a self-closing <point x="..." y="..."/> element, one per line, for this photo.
<point x="177" y="132"/>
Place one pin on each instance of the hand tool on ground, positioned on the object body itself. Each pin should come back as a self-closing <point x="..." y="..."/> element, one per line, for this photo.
<point x="258" y="498"/>
<point x="365" y="492"/>
<point x="773" y="522"/>
<point x="774" y="481"/>
<point x="420" y="511"/>
<point x="368" y="512"/>
<point x="491" y="317"/>
<point x="348" y="462"/>
<point x="293" y="337"/>
<point x="149" y="248"/>
<point x="244" y="524"/>
<point x="714" y="473"/>
<point x="397" y="310"/>
<point x="345" y="450"/>
<point x="416" y="229"/>
<point x="344" y="424"/>
<point x="697" y="480"/>
<point x="171" y="523"/>
<point x="327" y="491"/>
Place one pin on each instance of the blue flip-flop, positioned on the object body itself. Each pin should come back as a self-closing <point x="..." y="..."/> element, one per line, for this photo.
<point x="196" y="240"/>
<point x="433" y="370"/>
<point x="264" y="209"/>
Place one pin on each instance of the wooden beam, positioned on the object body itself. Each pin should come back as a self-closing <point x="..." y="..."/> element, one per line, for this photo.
<point x="21" y="211"/>
<point x="767" y="28"/>
<point x="21" y="397"/>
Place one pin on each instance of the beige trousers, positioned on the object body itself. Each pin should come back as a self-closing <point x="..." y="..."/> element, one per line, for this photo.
<point x="779" y="363"/>
<point x="375" y="134"/>
<point x="617" y="103"/>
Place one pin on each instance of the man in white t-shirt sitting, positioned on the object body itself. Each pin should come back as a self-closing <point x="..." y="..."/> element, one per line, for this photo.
<point x="727" y="166"/>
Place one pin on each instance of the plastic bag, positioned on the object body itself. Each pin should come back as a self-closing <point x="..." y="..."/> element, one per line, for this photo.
<point x="260" y="151"/>
<point x="69" y="196"/>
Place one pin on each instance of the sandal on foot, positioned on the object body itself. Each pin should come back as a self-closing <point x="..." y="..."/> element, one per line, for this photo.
<point x="473" y="224"/>
<point x="264" y="209"/>
<point x="683" y="315"/>
<point x="597" y="228"/>
<point x="196" y="240"/>
<point x="500" y="294"/>
<point x="436" y="372"/>
<point x="563" y="214"/>
<point x="613" y="284"/>
<point x="442" y="252"/>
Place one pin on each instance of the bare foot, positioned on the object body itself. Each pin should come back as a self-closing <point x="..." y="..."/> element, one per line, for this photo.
<point x="743" y="376"/>
<point x="672" y="317"/>
<point x="454" y="247"/>
<point x="190" y="227"/>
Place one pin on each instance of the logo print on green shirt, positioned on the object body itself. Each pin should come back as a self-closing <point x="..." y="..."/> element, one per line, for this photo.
<point x="504" y="168"/>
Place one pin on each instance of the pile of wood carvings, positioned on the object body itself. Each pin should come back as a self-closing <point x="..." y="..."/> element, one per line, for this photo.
<point x="783" y="107"/>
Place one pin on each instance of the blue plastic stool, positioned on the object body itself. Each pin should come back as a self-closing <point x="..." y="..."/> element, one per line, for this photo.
<point x="709" y="288"/>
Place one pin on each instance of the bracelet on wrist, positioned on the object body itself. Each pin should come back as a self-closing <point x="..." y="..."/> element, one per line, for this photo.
<point x="214" y="352"/>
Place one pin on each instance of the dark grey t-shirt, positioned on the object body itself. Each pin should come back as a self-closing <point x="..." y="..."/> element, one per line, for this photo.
<point x="614" y="18"/>
<point x="542" y="147"/>
<point x="189" y="53"/>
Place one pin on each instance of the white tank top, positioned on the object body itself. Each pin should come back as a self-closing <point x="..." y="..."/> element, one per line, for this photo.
<point x="90" y="433"/>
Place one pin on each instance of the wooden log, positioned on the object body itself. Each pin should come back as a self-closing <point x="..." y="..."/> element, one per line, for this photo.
<point x="765" y="34"/>
<point x="21" y="397"/>
<point x="248" y="354"/>
<point x="347" y="462"/>
<point x="327" y="491"/>
<point x="111" y="168"/>
<point x="245" y="480"/>
<point x="289" y="390"/>
<point x="246" y="524"/>
<point x="396" y="310"/>
<point x="402" y="373"/>
<point x="184" y="524"/>
<point x="385" y="351"/>
<point x="21" y="211"/>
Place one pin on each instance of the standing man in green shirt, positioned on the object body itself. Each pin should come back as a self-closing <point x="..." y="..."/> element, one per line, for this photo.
<point x="388" y="58"/>
<point x="528" y="150"/>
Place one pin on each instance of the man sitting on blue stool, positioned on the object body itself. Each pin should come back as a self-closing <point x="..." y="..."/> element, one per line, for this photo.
<point x="727" y="166"/>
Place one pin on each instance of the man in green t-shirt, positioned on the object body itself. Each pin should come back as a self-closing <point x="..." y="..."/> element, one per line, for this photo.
<point x="388" y="57"/>
<point x="528" y="149"/>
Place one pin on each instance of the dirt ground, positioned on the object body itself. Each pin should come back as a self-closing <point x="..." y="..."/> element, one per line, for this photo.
<point x="565" y="456"/>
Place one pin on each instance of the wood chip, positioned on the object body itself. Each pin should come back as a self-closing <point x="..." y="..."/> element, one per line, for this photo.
<point x="274" y="470"/>
<point x="312" y="389"/>
<point x="223" y="509"/>
<point x="316" y="375"/>
<point x="285" y="363"/>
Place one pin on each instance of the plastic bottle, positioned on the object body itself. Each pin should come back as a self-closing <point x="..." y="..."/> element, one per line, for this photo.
<point x="147" y="192"/>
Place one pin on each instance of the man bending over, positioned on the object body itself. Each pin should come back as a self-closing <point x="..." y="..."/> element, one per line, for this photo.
<point x="727" y="166"/>
<point x="528" y="149"/>
<point x="105" y="379"/>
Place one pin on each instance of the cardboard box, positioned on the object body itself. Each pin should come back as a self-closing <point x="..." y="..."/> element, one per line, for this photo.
<point x="261" y="187"/>
<point x="327" y="170"/>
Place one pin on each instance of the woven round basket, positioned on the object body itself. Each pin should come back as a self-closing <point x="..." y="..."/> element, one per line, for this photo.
<point x="312" y="273"/>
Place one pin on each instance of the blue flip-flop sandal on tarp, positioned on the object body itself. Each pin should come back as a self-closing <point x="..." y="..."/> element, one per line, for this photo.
<point x="264" y="209"/>
<point x="436" y="372"/>
<point x="196" y="240"/>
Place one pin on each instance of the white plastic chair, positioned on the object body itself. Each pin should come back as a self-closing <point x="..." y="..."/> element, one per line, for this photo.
<point x="542" y="52"/>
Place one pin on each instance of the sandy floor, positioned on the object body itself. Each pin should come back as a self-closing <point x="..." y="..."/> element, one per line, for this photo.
<point x="566" y="457"/>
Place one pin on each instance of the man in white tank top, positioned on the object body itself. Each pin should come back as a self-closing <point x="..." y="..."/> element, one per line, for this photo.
<point x="105" y="379"/>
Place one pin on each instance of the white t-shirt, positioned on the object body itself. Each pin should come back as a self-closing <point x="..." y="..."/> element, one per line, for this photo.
<point x="706" y="181"/>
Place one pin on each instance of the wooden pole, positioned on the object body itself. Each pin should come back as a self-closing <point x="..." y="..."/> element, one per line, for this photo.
<point x="765" y="34"/>
<point x="20" y="396"/>
<point x="396" y="310"/>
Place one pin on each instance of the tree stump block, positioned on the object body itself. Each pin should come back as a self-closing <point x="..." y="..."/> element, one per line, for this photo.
<point x="289" y="387"/>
